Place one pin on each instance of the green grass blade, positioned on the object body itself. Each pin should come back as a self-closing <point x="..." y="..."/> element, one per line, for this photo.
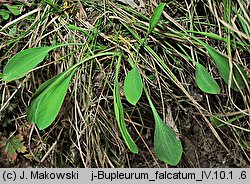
<point x="168" y="147"/>
<point x="133" y="86"/>
<point x="210" y="35"/>
<point x="205" y="81"/>
<point x="217" y="37"/>
<point x="119" y="114"/>
<point x="48" y="99"/>
<point x="44" y="86"/>
<point x="24" y="61"/>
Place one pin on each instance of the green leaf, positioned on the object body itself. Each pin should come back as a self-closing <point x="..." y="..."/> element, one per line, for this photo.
<point x="168" y="147"/>
<point x="121" y="122"/>
<point x="119" y="114"/>
<point x="24" y="61"/>
<point x="14" y="9"/>
<point x="205" y="81"/>
<point x="133" y="86"/>
<point x="155" y="18"/>
<point x="208" y="34"/>
<point x="47" y="100"/>
<point x="223" y="66"/>
<point x="70" y="26"/>
<point x="4" y="14"/>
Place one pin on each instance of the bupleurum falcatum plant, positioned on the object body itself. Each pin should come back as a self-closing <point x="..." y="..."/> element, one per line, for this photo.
<point x="167" y="143"/>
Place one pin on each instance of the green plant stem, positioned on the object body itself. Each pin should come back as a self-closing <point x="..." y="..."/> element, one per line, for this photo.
<point x="92" y="57"/>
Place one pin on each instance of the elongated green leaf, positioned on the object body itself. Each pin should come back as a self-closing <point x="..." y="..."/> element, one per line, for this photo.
<point x="205" y="81"/>
<point x="223" y="66"/>
<point x="208" y="34"/>
<point x="121" y="122"/>
<point x="47" y="100"/>
<point x="133" y="86"/>
<point x="119" y="114"/>
<point x="24" y="61"/>
<point x="155" y="18"/>
<point x="168" y="147"/>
